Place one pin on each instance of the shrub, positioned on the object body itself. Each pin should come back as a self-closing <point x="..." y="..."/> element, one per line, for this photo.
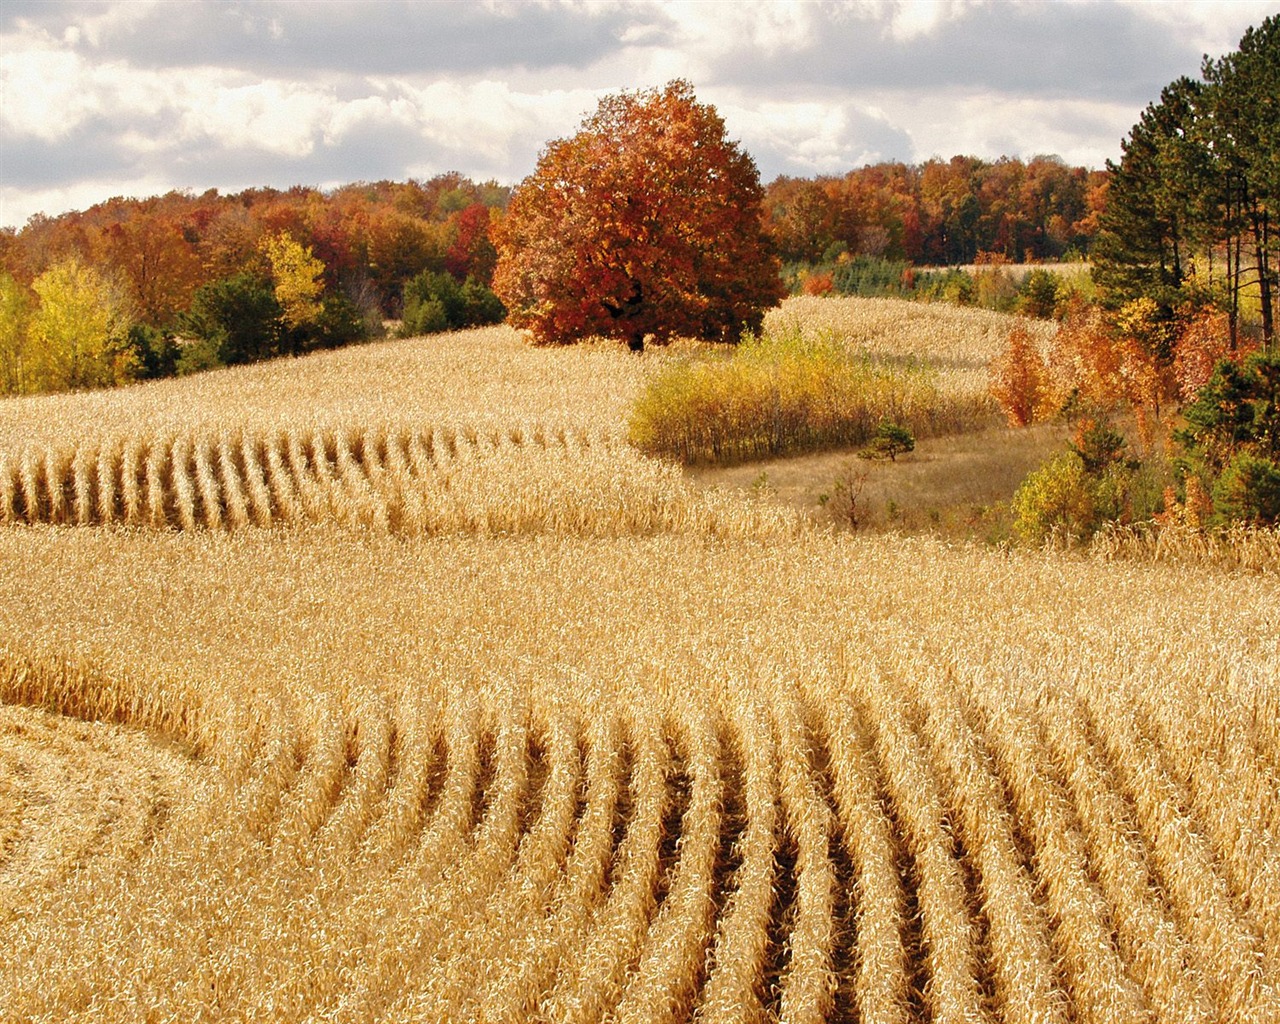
<point x="1019" y="379"/>
<point x="818" y="282"/>
<point x="1080" y="490"/>
<point x="435" y="302"/>
<point x="951" y="285"/>
<point x="1038" y="296"/>
<point x="1099" y="445"/>
<point x="993" y="287"/>
<point x="1248" y="491"/>
<point x="1057" y="497"/>
<point x="889" y="441"/>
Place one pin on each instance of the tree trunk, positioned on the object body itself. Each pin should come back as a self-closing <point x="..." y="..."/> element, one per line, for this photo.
<point x="1258" y="221"/>
<point x="1264" y="272"/>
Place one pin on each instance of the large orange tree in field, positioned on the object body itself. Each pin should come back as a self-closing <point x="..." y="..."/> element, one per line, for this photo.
<point x="647" y="222"/>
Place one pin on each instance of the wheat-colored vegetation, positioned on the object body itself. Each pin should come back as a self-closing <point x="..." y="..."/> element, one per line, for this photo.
<point x="824" y="373"/>
<point x="615" y="761"/>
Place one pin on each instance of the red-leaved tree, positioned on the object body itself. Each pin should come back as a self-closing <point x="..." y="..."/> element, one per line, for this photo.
<point x="1019" y="378"/>
<point x="647" y="222"/>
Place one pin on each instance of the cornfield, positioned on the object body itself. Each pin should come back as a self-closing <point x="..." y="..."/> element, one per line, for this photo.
<point x="626" y="761"/>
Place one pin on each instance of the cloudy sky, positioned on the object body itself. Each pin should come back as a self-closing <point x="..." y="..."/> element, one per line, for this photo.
<point x="136" y="98"/>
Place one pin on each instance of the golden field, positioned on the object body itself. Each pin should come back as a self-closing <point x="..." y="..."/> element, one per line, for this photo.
<point x="596" y="744"/>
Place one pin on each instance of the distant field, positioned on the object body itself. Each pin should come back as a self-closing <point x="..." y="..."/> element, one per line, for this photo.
<point x="392" y="684"/>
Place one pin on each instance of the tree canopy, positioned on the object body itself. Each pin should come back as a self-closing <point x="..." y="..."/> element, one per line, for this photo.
<point x="1192" y="205"/>
<point x="647" y="222"/>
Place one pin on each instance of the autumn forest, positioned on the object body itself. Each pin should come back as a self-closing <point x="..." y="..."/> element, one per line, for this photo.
<point x="163" y="266"/>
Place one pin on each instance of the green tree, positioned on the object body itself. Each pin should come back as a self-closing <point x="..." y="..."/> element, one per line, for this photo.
<point x="1243" y="99"/>
<point x="647" y="222"/>
<point x="1238" y="408"/>
<point x="79" y="335"/>
<point x="1249" y="490"/>
<point x="888" y="442"/>
<point x="1039" y="294"/>
<point x="1154" y="216"/>
<point x="437" y="302"/>
<point x="235" y="320"/>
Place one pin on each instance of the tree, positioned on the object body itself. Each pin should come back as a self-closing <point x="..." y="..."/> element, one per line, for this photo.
<point x="1019" y="379"/>
<point x="1197" y="191"/>
<point x="145" y="246"/>
<point x="299" y="279"/>
<point x="1243" y="98"/>
<point x="646" y="222"/>
<point x="1153" y="216"/>
<point x="471" y="253"/>
<point x="235" y="320"/>
<point x="79" y="335"/>
<point x="888" y="442"/>
<point x="15" y="314"/>
<point x="437" y="302"/>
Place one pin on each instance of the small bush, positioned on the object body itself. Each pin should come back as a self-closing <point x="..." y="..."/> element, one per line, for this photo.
<point x="1020" y="379"/>
<point x="888" y="442"/>
<point x="951" y="285"/>
<point x="818" y="283"/>
<point x="1081" y="490"/>
<point x="1099" y="445"/>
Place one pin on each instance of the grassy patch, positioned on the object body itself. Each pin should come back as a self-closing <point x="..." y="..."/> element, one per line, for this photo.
<point x="958" y="486"/>
<point x="788" y="392"/>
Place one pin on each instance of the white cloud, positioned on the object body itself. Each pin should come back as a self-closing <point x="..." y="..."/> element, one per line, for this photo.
<point x="17" y="205"/>
<point x="910" y="19"/>
<point x="112" y="98"/>
<point x="813" y="137"/>
<point x="1084" y="132"/>
<point x="44" y="93"/>
<point x="1211" y="26"/>
<point x="283" y="118"/>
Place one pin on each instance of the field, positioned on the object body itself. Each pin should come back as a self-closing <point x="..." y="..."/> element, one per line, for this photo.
<point x="428" y="698"/>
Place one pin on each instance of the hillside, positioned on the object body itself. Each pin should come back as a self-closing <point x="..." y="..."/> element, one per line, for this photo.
<point x="429" y="698"/>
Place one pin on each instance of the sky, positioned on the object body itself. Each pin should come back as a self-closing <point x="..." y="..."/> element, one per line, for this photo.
<point x="103" y="99"/>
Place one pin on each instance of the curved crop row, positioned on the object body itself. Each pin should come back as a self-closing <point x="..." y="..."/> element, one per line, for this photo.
<point x="929" y="850"/>
<point x="406" y="481"/>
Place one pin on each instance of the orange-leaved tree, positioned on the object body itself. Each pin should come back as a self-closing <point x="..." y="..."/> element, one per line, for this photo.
<point x="647" y="222"/>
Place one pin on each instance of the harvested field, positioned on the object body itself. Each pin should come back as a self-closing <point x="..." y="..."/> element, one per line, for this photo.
<point x="607" y="758"/>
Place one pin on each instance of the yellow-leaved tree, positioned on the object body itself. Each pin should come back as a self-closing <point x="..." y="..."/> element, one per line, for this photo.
<point x="78" y="337"/>
<point x="298" y="277"/>
<point x="15" y="313"/>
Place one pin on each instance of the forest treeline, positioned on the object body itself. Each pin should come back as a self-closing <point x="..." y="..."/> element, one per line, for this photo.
<point x="940" y="212"/>
<point x="137" y="288"/>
